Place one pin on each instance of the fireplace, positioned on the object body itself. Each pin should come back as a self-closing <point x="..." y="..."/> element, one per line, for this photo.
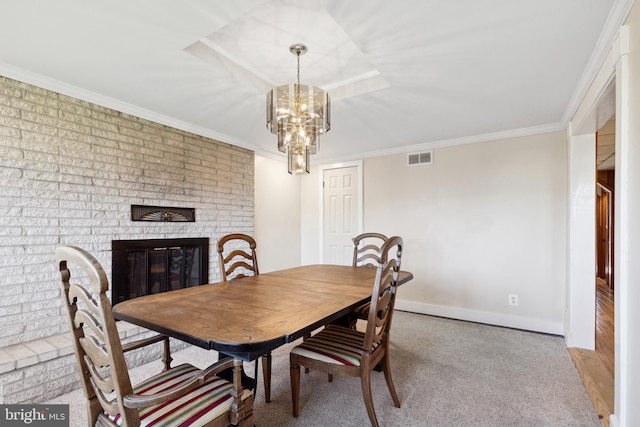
<point x="151" y="266"/>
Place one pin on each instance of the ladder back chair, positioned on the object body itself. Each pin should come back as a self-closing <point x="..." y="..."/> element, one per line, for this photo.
<point x="183" y="395"/>
<point x="237" y="257"/>
<point x="365" y="254"/>
<point x="343" y="351"/>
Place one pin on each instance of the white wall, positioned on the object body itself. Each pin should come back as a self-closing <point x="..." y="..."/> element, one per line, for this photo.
<point x="277" y="215"/>
<point x="580" y="322"/>
<point x="311" y="218"/>
<point x="483" y="221"/>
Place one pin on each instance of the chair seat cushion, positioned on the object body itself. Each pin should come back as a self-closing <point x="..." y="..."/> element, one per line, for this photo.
<point x="334" y="344"/>
<point x="200" y="406"/>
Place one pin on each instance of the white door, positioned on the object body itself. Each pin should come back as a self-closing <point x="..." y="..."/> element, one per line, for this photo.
<point x="341" y="213"/>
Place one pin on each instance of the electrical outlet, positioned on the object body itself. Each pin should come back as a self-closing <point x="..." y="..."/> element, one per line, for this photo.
<point x="513" y="299"/>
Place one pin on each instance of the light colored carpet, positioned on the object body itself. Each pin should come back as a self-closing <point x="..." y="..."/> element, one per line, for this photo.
<point x="446" y="372"/>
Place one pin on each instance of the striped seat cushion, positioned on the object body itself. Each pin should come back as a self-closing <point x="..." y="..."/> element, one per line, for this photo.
<point x="334" y="344"/>
<point x="196" y="408"/>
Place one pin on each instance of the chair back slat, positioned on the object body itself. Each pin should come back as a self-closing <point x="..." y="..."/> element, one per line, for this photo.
<point x="95" y="351"/>
<point x="85" y="318"/>
<point x="101" y="382"/>
<point x="238" y="253"/>
<point x="237" y="256"/>
<point x="78" y="292"/>
<point x="384" y="293"/>
<point x="237" y="266"/>
<point x="383" y="308"/>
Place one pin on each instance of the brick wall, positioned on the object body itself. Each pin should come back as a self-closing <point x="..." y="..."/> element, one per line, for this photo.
<point x="69" y="173"/>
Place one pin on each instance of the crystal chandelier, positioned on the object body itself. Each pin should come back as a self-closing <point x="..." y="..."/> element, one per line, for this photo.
<point x="298" y="114"/>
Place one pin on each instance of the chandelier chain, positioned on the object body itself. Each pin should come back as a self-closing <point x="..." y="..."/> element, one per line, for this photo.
<point x="298" y="56"/>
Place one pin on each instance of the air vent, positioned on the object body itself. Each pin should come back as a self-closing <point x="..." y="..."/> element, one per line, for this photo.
<point x="416" y="159"/>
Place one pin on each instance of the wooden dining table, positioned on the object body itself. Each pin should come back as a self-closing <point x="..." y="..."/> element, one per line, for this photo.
<point x="250" y="316"/>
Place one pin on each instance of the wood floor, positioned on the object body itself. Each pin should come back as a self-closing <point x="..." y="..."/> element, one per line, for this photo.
<point x="604" y="325"/>
<point x="596" y="368"/>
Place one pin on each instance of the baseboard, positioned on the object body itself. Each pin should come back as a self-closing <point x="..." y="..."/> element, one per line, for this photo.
<point x="497" y="319"/>
<point x="613" y="421"/>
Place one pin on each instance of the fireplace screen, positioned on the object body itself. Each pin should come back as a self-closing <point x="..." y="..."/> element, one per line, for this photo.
<point x="143" y="267"/>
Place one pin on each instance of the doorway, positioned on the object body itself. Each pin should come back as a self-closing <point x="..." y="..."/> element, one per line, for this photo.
<point x="605" y="226"/>
<point x="604" y="233"/>
<point x="605" y="190"/>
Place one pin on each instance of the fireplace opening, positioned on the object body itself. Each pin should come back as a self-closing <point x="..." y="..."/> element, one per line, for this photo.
<point x="151" y="266"/>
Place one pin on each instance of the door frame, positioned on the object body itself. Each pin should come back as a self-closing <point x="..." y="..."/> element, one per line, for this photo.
<point x="359" y="203"/>
<point x="615" y="72"/>
<point x="597" y="106"/>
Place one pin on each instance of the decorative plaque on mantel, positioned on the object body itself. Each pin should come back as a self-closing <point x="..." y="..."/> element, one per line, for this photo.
<point x="162" y="214"/>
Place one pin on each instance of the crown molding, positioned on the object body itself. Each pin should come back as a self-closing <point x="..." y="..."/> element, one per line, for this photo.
<point x="515" y="133"/>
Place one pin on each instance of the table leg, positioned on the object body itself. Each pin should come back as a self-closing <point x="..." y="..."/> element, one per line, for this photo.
<point x="247" y="382"/>
<point x="266" y="374"/>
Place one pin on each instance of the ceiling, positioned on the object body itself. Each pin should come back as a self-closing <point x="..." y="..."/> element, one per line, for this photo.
<point x="606" y="143"/>
<point x="404" y="75"/>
